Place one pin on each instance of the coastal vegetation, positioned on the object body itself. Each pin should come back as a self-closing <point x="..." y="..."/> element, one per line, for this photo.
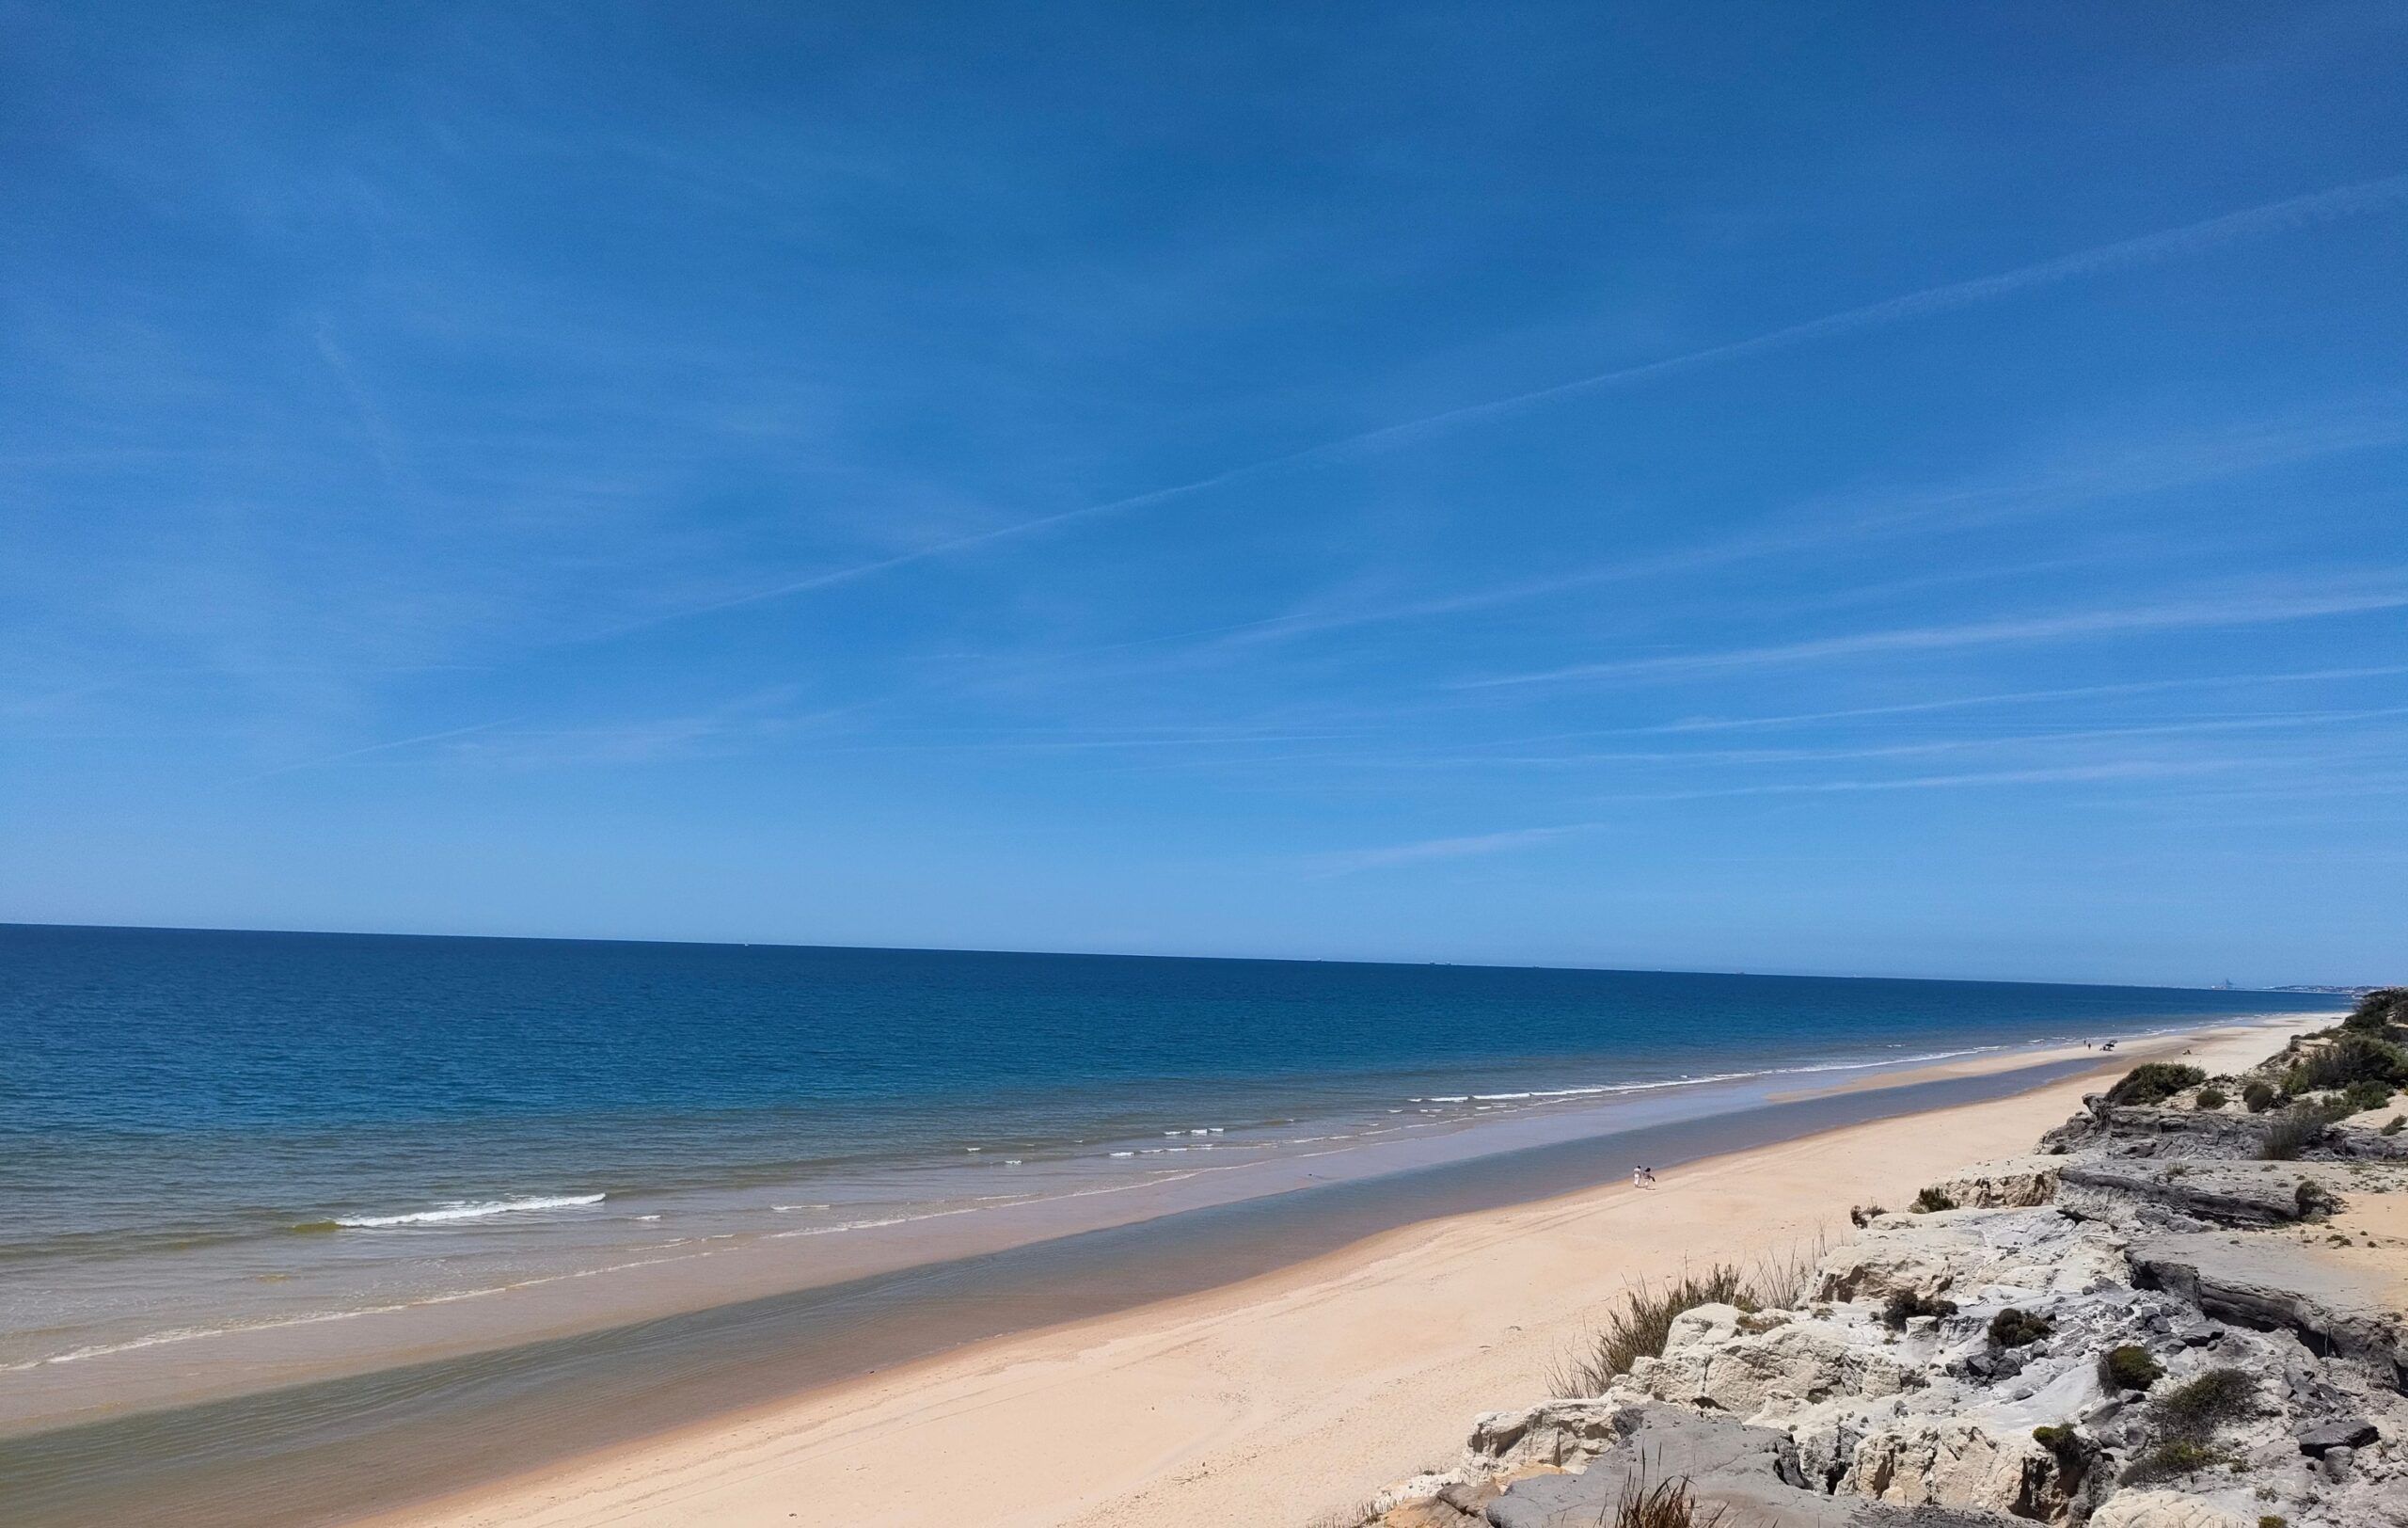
<point x="1637" y="1330"/>
<point x="2175" y="1457"/>
<point x="2013" y="1328"/>
<point x="2295" y="1129"/>
<point x="1930" y="1199"/>
<point x="2198" y="1406"/>
<point x="1903" y="1305"/>
<point x="2354" y="1057"/>
<point x="1667" y="1504"/>
<point x="2211" y="1097"/>
<point x="2380" y="1012"/>
<point x="2154" y="1082"/>
<point x="2128" y="1366"/>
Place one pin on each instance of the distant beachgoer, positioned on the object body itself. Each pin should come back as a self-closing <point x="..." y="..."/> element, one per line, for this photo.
<point x="1639" y="1177"/>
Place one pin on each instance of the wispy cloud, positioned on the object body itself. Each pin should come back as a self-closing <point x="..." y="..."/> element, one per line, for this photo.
<point x="2355" y="200"/>
<point x="2338" y="205"/>
<point x="1511" y="839"/>
<point x="2250" y="609"/>
<point x="1465" y="847"/>
<point x="391" y="746"/>
<point x="2011" y="697"/>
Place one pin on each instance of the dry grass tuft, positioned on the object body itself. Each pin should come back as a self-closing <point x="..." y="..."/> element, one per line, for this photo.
<point x="1639" y="1328"/>
<point x="1668" y="1504"/>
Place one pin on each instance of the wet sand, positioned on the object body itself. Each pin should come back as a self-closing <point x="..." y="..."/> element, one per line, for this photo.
<point x="1060" y="1381"/>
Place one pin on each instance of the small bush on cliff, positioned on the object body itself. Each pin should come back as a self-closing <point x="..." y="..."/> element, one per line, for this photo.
<point x="2195" y="1407"/>
<point x="2392" y="1125"/>
<point x="2129" y="1367"/>
<point x="2154" y="1082"/>
<point x="2294" y="1130"/>
<point x="2212" y="1097"/>
<point x="2012" y="1328"/>
<point x="2173" y="1457"/>
<point x="1931" y="1199"/>
<point x="2258" y="1097"/>
<point x="2362" y="1096"/>
<point x="1903" y="1305"/>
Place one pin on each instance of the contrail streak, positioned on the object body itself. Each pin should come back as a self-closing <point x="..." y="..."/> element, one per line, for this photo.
<point x="2322" y="207"/>
<point x="375" y="748"/>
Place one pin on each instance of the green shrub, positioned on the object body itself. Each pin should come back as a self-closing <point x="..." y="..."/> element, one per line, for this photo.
<point x="2212" y="1097"/>
<point x="1903" y="1305"/>
<point x="2294" y="1130"/>
<point x="2362" y="1095"/>
<point x="2174" y="1456"/>
<point x="2314" y="1200"/>
<point x="1931" y="1199"/>
<point x="2392" y="1125"/>
<point x="2012" y="1328"/>
<point x="2273" y="1520"/>
<point x="2129" y="1367"/>
<point x="2154" y="1082"/>
<point x="2355" y="1057"/>
<point x="2258" y="1096"/>
<point x="2195" y="1407"/>
<point x="2061" y="1441"/>
<point x="2379" y="1011"/>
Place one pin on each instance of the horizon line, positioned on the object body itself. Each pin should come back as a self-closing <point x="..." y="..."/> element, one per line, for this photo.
<point x="2300" y="990"/>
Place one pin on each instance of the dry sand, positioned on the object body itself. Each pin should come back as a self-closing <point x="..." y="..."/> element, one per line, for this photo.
<point x="1276" y="1399"/>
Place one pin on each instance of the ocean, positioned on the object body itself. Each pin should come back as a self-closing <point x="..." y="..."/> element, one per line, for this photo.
<point x="293" y="1225"/>
<point x="210" y="1135"/>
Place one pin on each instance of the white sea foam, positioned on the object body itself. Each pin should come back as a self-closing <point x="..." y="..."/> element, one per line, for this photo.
<point x="477" y="1211"/>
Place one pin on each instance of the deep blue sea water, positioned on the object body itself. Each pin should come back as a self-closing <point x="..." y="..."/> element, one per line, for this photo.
<point x="184" y="1083"/>
<point x="204" y="1131"/>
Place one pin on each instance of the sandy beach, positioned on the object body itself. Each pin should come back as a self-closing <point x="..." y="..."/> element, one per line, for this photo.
<point x="1282" y="1396"/>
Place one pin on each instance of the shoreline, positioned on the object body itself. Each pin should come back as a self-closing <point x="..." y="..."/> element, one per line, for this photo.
<point x="1154" y="1394"/>
<point x="379" y="1442"/>
<point x="502" y="1453"/>
<point x="724" y="1263"/>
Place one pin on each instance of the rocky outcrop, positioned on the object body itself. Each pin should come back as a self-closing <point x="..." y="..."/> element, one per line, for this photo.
<point x="2268" y="1284"/>
<point x="2016" y="1183"/>
<point x="1748" y="1474"/>
<point x="2192" y="1195"/>
<point x="2124" y="1130"/>
<point x="2163" y="1509"/>
<point x="2264" y="1382"/>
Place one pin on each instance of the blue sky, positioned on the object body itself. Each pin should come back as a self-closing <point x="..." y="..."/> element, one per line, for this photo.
<point x="1897" y="489"/>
